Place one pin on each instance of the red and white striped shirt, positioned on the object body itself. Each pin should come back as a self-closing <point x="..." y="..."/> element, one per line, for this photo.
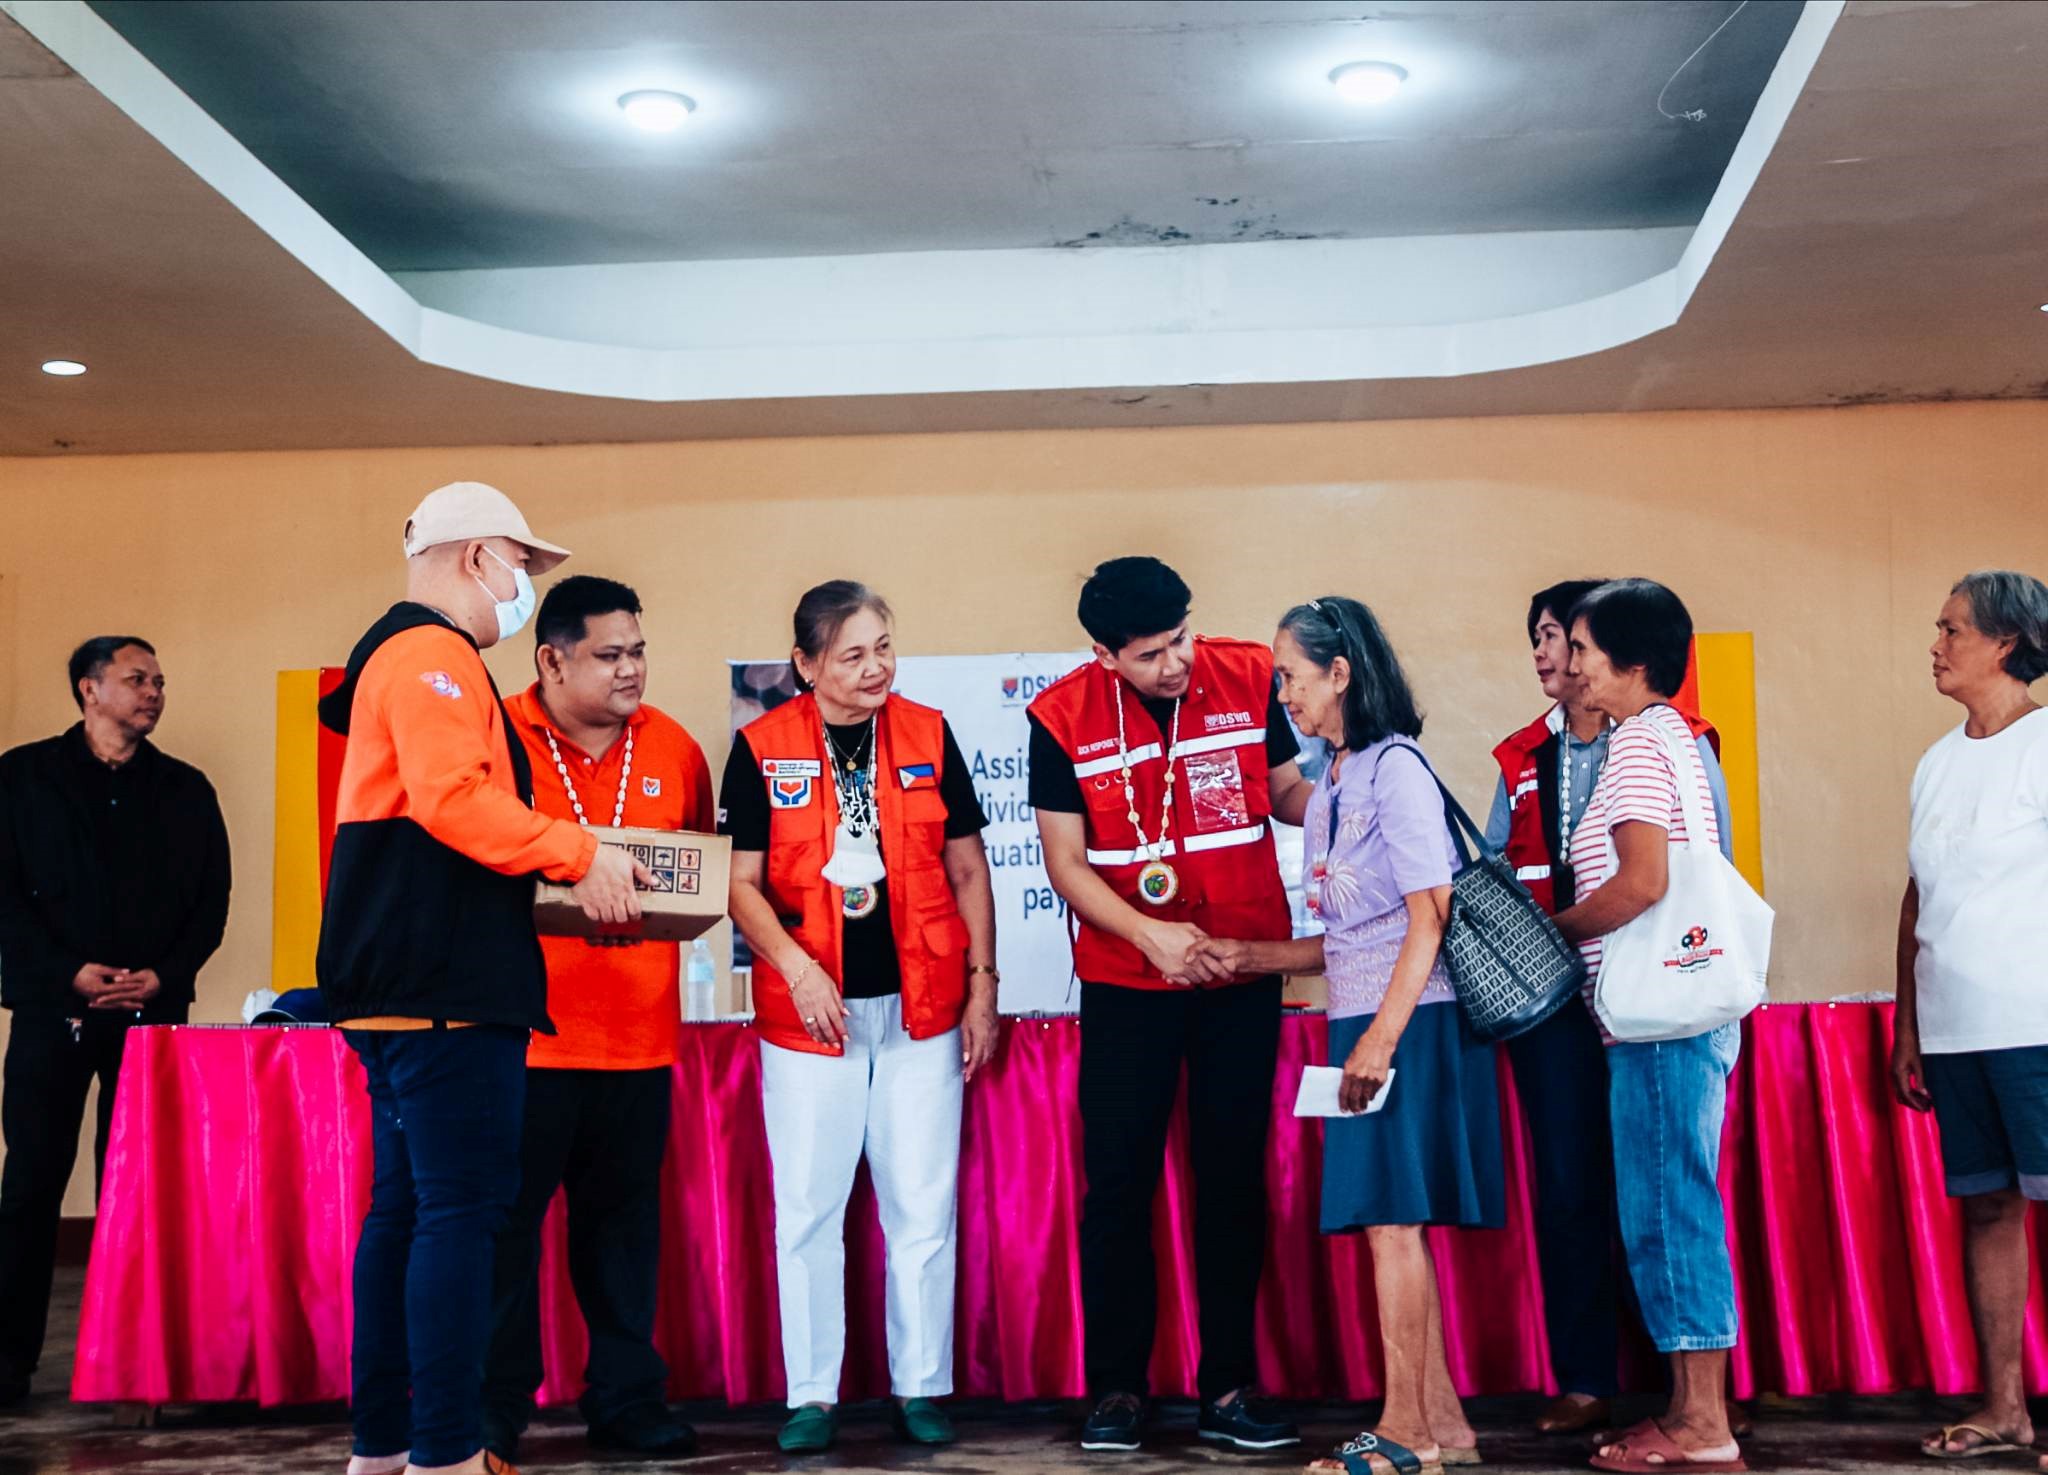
<point x="1638" y="783"/>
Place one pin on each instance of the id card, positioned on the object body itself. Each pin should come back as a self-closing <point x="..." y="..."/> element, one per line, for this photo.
<point x="1216" y="791"/>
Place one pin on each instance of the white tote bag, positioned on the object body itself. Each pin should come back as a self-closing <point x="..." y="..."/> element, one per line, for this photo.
<point x="1698" y="958"/>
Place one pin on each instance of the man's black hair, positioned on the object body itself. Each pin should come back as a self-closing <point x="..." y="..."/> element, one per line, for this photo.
<point x="1559" y="600"/>
<point x="564" y="617"/>
<point x="1128" y="599"/>
<point x="90" y="661"/>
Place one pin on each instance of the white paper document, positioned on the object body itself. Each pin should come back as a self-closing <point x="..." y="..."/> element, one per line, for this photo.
<point x="1320" y="1085"/>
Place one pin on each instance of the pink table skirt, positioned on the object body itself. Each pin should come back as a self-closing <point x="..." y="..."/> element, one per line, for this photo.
<point x="239" y="1171"/>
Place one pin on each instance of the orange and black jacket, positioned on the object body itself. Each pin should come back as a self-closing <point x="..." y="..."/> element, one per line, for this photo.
<point x="429" y="908"/>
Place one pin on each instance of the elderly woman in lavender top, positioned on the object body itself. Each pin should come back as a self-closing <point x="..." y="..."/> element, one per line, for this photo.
<point x="1379" y="859"/>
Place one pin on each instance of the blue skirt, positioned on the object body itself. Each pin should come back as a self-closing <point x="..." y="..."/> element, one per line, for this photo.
<point x="1431" y="1155"/>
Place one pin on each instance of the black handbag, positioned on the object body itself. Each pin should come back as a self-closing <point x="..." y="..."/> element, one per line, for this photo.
<point x="1510" y="966"/>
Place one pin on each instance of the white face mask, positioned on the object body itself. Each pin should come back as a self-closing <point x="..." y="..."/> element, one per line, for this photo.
<point x="513" y="613"/>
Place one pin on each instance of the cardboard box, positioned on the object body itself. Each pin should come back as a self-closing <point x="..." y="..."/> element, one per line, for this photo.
<point x="686" y="900"/>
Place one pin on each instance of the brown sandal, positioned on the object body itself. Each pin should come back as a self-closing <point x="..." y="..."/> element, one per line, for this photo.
<point x="1989" y="1442"/>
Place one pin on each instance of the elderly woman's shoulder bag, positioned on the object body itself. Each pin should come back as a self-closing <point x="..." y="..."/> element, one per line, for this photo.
<point x="1509" y="965"/>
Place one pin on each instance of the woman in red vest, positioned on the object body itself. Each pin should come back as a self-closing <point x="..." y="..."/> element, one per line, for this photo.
<point x="860" y="883"/>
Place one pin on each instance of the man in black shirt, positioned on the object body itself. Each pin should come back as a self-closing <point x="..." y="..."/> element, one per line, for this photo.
<point x="113" y="894"/>
<point x="1155" y="769"/>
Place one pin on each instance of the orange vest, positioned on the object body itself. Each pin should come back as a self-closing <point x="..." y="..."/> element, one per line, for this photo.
<point x="1221" y="843"/>
<point x="803" y="812"/>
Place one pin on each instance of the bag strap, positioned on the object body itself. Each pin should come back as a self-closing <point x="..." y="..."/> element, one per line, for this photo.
<point x="1683" y="766"/>
<point x="1456" y="820"/>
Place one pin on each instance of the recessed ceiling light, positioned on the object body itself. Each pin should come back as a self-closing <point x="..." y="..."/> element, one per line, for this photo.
<point x="64" y="368"/>
<point x="657" y="112"/>
<point x="1368" y="82"/>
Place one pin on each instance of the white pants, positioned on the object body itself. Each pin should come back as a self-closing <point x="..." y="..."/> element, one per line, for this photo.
<point x="898" y="1101"/>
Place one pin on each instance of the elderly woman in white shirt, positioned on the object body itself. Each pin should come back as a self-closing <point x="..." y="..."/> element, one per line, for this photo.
<point x="1970" y="1040"/>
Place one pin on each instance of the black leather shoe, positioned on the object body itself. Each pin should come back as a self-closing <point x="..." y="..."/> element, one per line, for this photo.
<point x="653" y="1432"/>
<point x="1118" y="1423"/>
<point x="1246" y="1423"/>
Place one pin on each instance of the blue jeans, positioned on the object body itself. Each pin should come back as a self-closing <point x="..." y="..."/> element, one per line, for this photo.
<point x="446" y="1109"/>
<point x="1667" y="1101"/>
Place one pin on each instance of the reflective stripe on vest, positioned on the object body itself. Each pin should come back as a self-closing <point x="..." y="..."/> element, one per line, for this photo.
<point x="1222" y="840"/>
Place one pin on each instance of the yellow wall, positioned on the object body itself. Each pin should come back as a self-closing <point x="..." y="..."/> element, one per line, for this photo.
<point x="1833" y="535"/>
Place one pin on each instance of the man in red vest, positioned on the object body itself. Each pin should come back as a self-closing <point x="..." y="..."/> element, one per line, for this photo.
<point x="1548" y="770"/>
<point x="1156" y="770"/>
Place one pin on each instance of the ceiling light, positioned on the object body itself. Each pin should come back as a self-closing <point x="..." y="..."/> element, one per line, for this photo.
<point x="1368" y="82"/>
<point x="64" y="368"/>
<point x="657" y="112"/>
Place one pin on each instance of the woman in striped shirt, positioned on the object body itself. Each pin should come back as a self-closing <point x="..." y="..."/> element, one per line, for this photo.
<point x="1630" y="641"/>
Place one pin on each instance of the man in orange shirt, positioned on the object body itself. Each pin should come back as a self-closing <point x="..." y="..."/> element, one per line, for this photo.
<point x="430" y="964"/>
<point x="597" y="1091"/>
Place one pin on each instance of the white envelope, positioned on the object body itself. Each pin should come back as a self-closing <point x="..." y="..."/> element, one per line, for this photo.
<point x="1320" y="1085"/>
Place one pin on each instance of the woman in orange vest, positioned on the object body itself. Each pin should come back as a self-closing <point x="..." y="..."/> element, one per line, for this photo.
<point x="860" y="883"/>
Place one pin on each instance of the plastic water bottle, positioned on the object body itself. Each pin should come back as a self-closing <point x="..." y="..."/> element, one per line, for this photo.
<point x="701" y="975"/>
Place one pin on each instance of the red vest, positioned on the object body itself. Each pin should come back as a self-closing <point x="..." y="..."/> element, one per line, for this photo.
<point x="1528" y="767"/>
<point x="1221" y="842"/>
<point x="931" y="937"/>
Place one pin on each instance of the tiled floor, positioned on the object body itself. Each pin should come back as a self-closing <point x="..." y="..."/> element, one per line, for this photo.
<point x="50" y="1435"/>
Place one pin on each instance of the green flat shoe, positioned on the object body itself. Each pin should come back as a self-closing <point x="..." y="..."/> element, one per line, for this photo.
<point x="921" y="1421"/>
<point x="810" y="1430"/>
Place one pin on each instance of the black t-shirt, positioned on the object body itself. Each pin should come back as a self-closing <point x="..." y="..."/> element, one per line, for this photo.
<point x="870" y="962"/>
<point x="1054" y="788"/>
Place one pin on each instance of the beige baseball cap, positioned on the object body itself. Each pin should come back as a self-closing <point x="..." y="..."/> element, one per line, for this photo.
<point x="463" y="510"/>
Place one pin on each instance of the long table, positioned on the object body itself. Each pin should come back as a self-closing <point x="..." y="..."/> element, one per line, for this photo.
<point x="239" y="1169"/>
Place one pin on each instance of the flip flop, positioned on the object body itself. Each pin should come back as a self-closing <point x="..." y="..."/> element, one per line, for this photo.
<point x="1989" y="1442"/>
<point x="1465" y="1454"/>
<point x="1648" y="1450"/>
<point x="1357" y="1455"/>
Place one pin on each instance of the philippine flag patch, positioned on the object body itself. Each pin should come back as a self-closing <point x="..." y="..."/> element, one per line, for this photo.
<point x="443" y="684"/>
<point x="917" y="775"/>
<point x="789" y="793"/>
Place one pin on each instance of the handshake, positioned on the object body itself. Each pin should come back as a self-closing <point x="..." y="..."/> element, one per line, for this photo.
<point x="1188" y="956"/>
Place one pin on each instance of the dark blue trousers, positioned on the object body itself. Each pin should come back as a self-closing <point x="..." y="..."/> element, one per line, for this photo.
<point x="1561" y="1076"/>
<point x="446" y="1108"/>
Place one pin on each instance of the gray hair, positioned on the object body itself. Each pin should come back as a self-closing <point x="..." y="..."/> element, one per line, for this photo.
<point x="2011" y="606"/>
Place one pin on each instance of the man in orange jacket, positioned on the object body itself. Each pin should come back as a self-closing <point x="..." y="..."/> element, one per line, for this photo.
<point x="597" y="1091"/>
<point x="429" y="961"/>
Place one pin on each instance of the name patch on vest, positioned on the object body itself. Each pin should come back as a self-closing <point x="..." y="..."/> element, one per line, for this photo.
<point x="792" y="768"/>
